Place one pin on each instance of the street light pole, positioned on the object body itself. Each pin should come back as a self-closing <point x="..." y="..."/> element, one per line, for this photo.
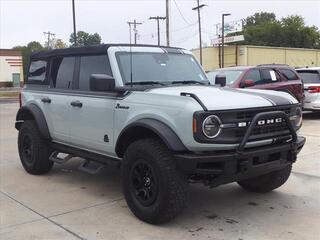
<point x="222" y="40"/>
<point x="74" y="23"/>
<point x="198" y="8"/>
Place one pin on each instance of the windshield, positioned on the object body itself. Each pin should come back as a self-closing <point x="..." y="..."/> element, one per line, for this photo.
<point x="231" y="76"/>
<point x="309" y="76"/>
<point x="153" y="68"/>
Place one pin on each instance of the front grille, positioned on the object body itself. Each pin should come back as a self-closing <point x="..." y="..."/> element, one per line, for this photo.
<point x="249" y="114"/>
<point x="234" y="134"/>
<point x="265" y="131"/>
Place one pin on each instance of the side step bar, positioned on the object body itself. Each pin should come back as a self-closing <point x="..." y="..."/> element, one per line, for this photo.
<point x="94" y="157"/>
<point x="54" y="157"/>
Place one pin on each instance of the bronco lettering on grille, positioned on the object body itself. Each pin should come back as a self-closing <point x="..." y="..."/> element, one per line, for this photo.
<point x="262" y="122"/>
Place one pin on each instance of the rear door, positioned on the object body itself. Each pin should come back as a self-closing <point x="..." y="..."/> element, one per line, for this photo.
<point x="56" y="101"/>
<point x="93" y="116"/>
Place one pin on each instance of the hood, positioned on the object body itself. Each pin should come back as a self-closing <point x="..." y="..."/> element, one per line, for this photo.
<point x="217" y="98"/>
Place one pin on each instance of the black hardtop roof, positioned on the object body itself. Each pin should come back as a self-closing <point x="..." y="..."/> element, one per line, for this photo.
<point x="94" y="49"/>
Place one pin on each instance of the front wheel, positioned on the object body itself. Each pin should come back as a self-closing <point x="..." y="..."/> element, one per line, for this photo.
<point x="268" y="182"/>
<point x="154" y="189"/>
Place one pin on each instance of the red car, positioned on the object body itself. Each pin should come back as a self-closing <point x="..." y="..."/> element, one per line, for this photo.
<point x="271" y="77"/>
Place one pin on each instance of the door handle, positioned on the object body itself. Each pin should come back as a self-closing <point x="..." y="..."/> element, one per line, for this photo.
<point x="46" y="100"/>
<point x="76" y="104"/>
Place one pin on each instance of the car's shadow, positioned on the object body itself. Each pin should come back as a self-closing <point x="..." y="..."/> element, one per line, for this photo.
<point x="228" y="204"/>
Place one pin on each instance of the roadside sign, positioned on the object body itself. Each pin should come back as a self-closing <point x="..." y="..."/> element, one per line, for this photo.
<point x="230" y="27"/>
<point x="237" y="38"/>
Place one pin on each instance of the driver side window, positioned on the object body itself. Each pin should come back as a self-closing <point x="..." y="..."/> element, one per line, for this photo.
<point x="255" y="76"/>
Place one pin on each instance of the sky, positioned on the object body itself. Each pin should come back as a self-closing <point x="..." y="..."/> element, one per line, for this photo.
<point x="22" y="21"/>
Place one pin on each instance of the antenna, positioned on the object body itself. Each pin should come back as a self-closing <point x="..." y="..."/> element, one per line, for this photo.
<point x="131" y="74"/>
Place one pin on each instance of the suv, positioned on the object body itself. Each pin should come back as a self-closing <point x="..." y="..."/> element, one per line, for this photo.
<point x="311" y="80"/>
<point x="272" y="77"/>
<point x="151" y="111"/>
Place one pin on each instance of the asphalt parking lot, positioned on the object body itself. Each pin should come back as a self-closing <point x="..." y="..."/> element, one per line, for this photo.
<point x="69" y="204"/>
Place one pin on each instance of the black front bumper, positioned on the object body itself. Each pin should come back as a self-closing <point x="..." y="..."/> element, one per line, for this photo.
<point x="226" y="167"/>
<point x="229" y="166"/>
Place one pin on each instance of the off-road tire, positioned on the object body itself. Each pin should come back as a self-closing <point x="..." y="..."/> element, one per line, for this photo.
<point x="171" y="197"/>
<point x="268" y="182"/>
<point x="36" y="160"/>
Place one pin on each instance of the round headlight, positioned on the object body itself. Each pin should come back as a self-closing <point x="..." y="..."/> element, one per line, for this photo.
<point x="297" y="118"/>
<point x="211" y="126"/>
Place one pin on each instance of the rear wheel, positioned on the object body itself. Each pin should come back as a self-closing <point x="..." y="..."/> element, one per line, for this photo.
<point x="268" y="182"/>
<point x="33" y="150"/>
<point x="154" y="189"/>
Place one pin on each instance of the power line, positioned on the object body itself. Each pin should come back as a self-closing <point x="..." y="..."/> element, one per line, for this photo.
<point x="134" y="23"/>
<point x="182" y="16"/>
<point x="49" y="34"/>
<point x="175" y="30"/>
<point x="158" y="25"/>
<point x="198" y="8"/>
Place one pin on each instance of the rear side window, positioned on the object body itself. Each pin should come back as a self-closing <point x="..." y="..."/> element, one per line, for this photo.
<point x="62" y="72"/>
<point x="89" y="65"/>
<point x="310" y="76"/>
<point x="37" y="72"/>
<point x="289" y="74"/>
<point x="269" y="76"/>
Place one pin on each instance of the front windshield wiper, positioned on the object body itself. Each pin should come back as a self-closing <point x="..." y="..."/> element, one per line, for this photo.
<point x="188" y="82"/>
<point x="145" y="83"/>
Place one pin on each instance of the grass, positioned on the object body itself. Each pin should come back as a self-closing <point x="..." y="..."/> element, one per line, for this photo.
<point x="9" y="94"/>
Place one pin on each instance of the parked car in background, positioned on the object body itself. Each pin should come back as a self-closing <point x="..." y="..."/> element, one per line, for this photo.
<point x="271" y="77"/>
<point x="311" y="80"/>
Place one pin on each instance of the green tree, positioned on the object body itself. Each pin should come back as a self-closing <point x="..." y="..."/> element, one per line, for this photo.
<point x="26" y="52"/>
<point x="264" y="29"/>
<point x="58" y="43"/>
<point x="260" y="19"/>
<point x="85" y="39"/>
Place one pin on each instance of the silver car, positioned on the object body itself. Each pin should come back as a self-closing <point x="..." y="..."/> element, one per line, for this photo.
<point x="311" y="79"/>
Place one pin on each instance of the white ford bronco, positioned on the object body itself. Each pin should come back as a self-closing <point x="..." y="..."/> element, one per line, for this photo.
<point x="152" y="112"/>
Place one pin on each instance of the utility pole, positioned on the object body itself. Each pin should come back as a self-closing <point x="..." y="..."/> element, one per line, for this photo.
<point x="49" y="34"/>
<point x="222" y="39"/>
<point x="198" y="8"/>
<point x="168" y="22"/>
<point x="74" y="23"/>
<point x="134" y="23"/>
<point x="158" y="24"/>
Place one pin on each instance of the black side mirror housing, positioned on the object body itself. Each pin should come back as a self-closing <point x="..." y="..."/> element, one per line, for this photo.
<point x="221" y="80"/>
<point x="102" y="83"/>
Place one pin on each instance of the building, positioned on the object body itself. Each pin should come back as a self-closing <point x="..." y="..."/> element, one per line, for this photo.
<point x="11" y="68"/>
<point x="252" y="55"/>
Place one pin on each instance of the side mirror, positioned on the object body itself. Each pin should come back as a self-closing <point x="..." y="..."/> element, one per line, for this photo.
<point x="221" y="80"/>
<point x="248" y="83"/>
<point x="102" y="83"/>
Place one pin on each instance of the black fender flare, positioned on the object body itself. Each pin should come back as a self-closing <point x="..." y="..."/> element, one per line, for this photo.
<point x="160" y="129"/>
<point x="30" y="112"/>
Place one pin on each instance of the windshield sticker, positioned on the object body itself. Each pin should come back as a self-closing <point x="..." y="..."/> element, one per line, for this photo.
<point x="273" y="76"/>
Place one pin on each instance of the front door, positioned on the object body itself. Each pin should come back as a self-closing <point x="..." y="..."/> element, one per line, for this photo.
<point x="16" y="79"/>
<point x="91" y="113"/>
